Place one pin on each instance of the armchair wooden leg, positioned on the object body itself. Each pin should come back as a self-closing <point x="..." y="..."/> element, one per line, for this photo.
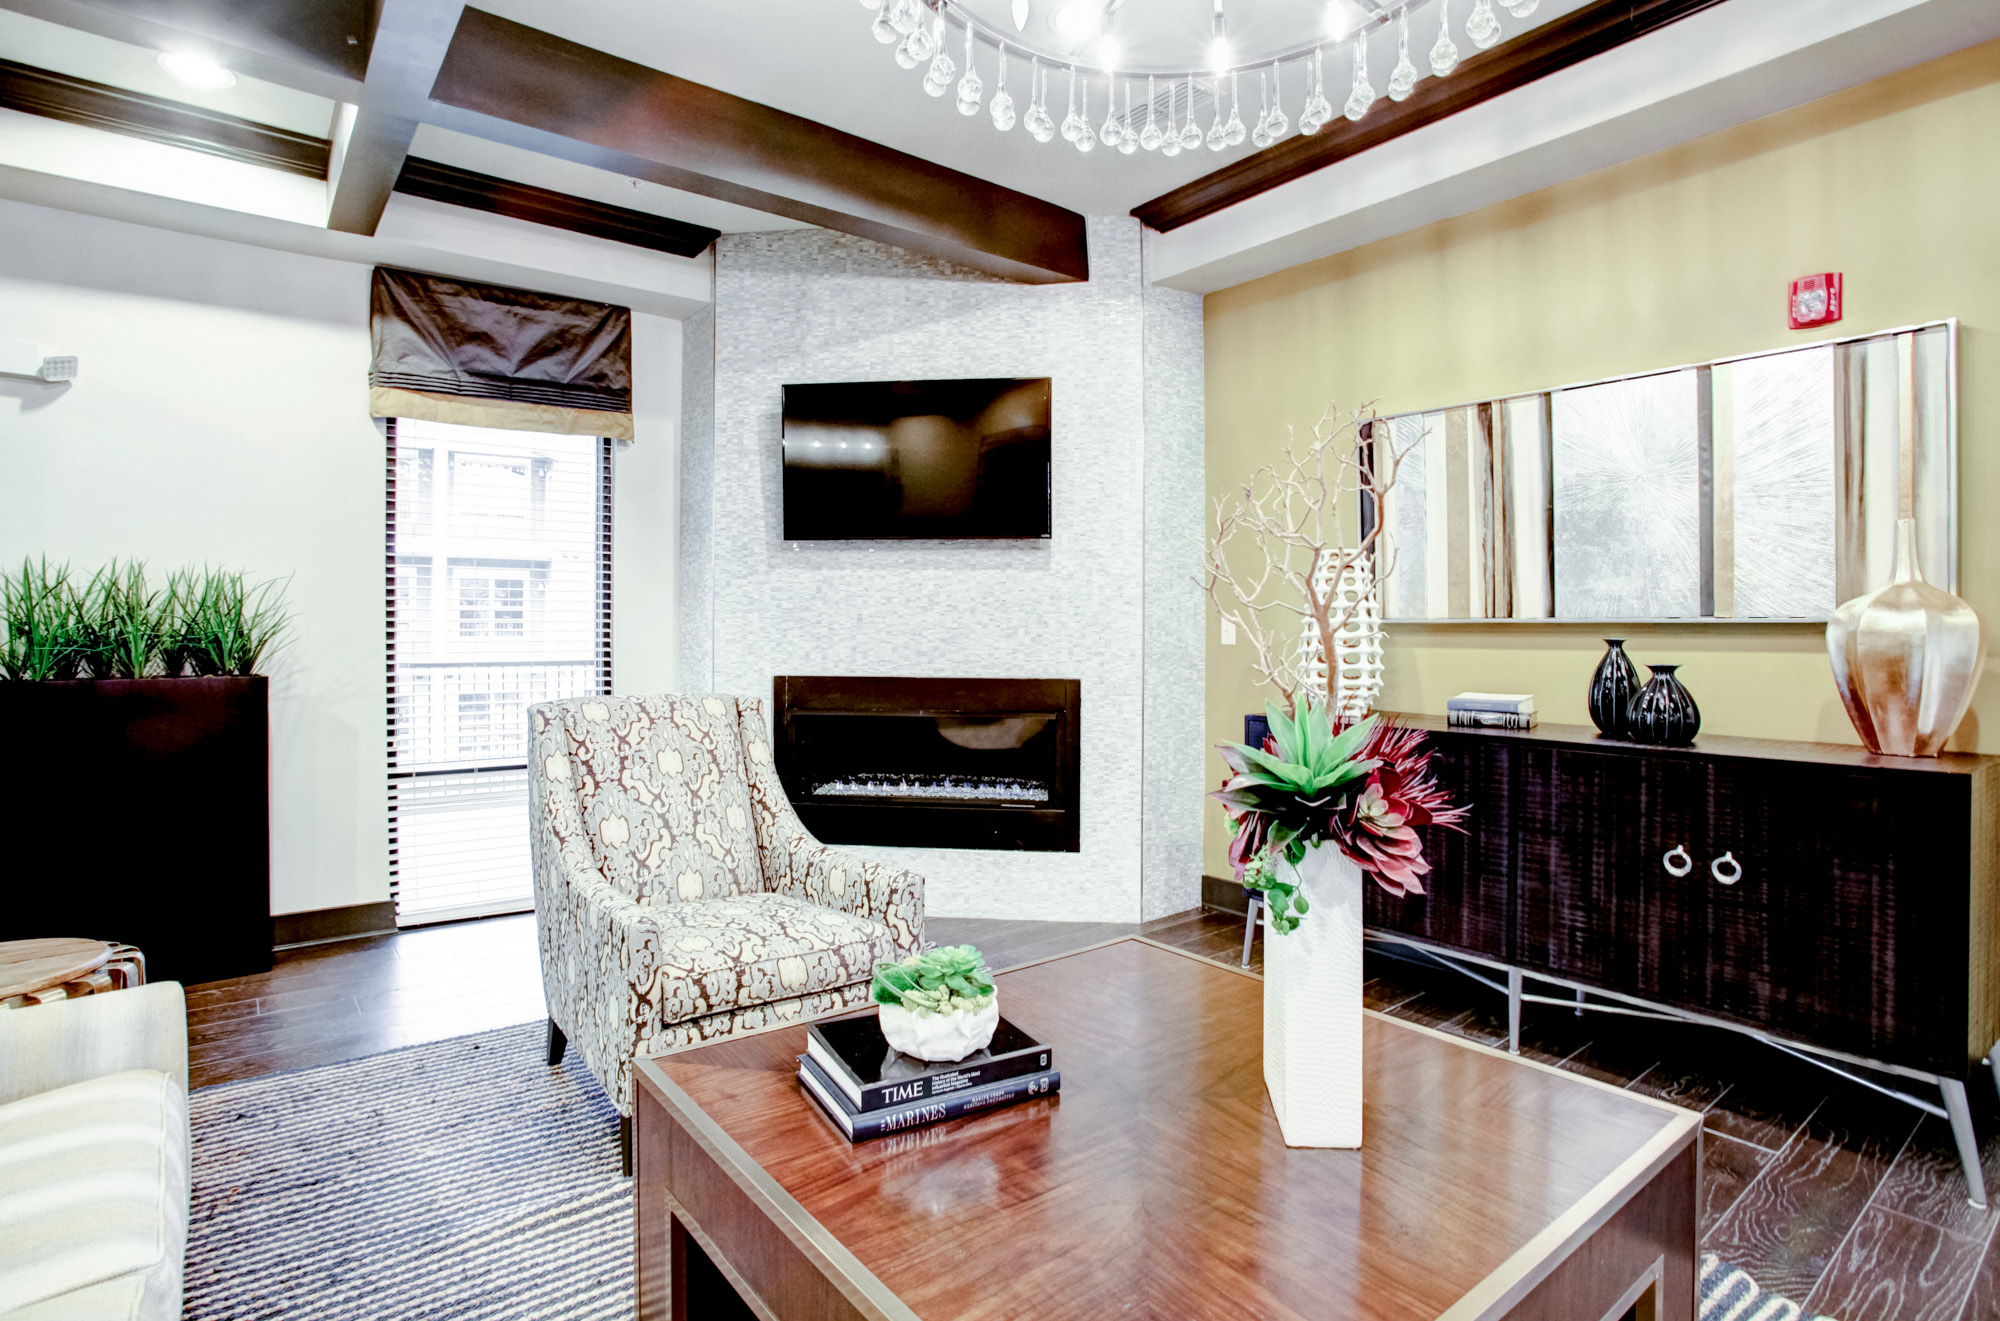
<point x="558" y="1043"/>
<point x="625" y="1143"/>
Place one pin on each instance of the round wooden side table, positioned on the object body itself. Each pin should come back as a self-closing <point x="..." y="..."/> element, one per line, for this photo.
<point x="60" y="968"/>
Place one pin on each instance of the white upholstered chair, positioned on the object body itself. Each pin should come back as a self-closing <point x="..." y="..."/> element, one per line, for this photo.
<point x="678" y="898"/>
<point x="94" y="1157"/>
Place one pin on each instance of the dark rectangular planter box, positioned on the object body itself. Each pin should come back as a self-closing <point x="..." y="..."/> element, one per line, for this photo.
<point x="138" y="810"/>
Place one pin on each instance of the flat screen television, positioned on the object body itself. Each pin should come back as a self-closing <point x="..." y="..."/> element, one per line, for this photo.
<point x="882" y="460"/>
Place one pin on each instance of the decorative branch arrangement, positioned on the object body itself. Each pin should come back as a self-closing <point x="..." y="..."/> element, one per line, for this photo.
<point x="114" y="626"/>
<point x="1286" y="542"/>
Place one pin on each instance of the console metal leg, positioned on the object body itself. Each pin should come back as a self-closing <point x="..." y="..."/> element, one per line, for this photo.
<point x="1968" y="1140"/>
<point x="1579" y="1002"/>
<point x="1250" y="925"/>
<point x="1513" y="1011"/>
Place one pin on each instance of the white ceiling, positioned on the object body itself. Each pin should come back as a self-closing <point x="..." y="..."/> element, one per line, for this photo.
<point x="817" y="58"/>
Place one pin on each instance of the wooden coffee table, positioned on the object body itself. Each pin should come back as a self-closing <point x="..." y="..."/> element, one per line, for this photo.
<point x="1156" y="1185"/>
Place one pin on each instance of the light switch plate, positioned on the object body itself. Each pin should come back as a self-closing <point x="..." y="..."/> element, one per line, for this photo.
<point x="1228" y="634"/>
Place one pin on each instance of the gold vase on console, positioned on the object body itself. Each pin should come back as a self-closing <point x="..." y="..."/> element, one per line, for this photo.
<point x="1906" y="658"/>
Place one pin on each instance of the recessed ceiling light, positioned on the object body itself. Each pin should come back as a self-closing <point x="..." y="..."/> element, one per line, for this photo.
<point x="1344" y="18"/>
<point x="196" y="70"/>
<point x="1219" y="55"/>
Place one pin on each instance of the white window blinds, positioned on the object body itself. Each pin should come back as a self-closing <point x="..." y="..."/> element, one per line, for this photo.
<point x="499" y="597"/>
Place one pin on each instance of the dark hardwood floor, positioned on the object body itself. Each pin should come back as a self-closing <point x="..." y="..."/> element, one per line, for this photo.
<point x="1847" y="1201"/>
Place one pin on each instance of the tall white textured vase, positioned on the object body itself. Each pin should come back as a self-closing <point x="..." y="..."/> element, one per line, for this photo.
<point x="1312" y="1005"/>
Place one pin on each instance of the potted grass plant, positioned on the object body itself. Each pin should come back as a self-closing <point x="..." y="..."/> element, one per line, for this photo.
<point x="140" y="794"/>
<point x="938" y="1004"/>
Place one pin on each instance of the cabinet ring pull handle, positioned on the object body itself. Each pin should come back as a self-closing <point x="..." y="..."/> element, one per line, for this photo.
<point x="1735" y="869"/>
<point x="1680" y="868"/>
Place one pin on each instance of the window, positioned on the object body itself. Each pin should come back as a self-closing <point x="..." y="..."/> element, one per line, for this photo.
<point x="499" y="597"/>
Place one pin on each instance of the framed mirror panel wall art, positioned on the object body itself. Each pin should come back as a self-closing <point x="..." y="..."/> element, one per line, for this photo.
<point x="1756" y="489"/>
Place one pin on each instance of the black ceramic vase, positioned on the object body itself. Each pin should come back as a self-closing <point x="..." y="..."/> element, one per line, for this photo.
<point x="1612" y="689"/>
<point x="1664" y="711"/>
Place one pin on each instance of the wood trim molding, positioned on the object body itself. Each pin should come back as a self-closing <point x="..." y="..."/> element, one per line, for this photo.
<point x="309" y="928"/>
<point x="1556" y="45"/>
<point x="512" y="83"/>
<point x="439" y="182"/>
<point x="54" y="95"/>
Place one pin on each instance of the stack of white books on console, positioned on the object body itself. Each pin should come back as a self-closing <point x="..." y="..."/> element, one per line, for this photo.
<point x="1491" y="710"/>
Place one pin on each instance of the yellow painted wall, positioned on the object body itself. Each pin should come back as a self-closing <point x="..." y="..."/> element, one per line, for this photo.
<point x="1678" y="257"/>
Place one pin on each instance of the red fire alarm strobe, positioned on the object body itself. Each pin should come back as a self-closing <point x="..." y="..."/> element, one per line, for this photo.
<point x="1815" y="300"/>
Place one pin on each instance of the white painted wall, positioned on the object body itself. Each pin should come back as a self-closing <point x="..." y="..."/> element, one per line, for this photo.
<point x="220" y="416"/>
<point x="645" y="517"/>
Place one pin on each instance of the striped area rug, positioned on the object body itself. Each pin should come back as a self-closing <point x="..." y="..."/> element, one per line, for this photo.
<point x="1729" y="1294"/>
<point x="461" y="1179"/>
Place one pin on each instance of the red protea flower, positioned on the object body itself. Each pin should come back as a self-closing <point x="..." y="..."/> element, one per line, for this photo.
<point x="1379" y="831"/>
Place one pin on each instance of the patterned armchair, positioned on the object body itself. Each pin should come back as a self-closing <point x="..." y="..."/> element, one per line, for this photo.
<point x="678" y="898"/>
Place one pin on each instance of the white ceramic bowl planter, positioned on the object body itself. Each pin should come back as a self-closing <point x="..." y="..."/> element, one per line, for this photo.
<point x="940" y="1037"/>
<point x="937" y="1005"/>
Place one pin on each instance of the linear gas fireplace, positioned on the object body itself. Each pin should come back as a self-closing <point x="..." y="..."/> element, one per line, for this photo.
<point x="932" y="763"/>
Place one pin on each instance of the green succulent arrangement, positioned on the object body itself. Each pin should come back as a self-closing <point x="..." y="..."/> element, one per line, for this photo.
<point x="116" y="626"/>
<point x="946" y="980"/>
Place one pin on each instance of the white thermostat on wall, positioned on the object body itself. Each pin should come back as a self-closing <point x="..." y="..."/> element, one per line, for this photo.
<point x="18" y="358"/>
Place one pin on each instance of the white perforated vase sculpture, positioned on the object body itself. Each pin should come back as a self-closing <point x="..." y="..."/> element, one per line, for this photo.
<point x="1312" y="1005"/>
<point x="1353" y="681"/>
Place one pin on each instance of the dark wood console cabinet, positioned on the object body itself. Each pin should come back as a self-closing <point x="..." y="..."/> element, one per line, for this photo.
<point x="1864" y="921"/>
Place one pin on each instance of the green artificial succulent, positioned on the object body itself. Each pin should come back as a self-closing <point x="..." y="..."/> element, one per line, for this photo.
<point x="1282" y="801"/>
<point x="945" y="980"/>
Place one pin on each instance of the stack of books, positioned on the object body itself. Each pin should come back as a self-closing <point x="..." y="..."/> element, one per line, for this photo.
<point x="868" y="1089"/>
<point x="1491" y="710"/>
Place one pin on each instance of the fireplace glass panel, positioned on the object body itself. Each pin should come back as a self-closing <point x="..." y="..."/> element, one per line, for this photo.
<point x="932" y="763"/>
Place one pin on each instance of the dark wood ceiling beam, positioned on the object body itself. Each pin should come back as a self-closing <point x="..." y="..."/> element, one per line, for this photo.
<point x="516" y="84"/>
<point x="542" y="206"/>
<point x="1535" y="54"/>
<point x="54" y="95"/>
<point x="372" y="141"/>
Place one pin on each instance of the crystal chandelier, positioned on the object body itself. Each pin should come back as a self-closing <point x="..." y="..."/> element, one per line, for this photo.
<point x="1151" y="104"/>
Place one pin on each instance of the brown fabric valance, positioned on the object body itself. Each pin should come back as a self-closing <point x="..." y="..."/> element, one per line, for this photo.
<point x="489" y="356"/>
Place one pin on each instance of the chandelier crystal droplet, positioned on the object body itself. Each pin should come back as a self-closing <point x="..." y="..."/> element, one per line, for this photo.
<point x="938" y="77"/>
<point x="1363" y="94"/>
<point x="1041" y="127"/>
<point x="1002" y="105"/>
<point x="1277" y="123"/>
<point x="1403" y="78"/>
<point x="1318" y="111"/>
<point x="1444" y="55"/>
<point x="971" y="91"/>
<point x="918" y="34"/>
<point x="1483" y="27"/>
